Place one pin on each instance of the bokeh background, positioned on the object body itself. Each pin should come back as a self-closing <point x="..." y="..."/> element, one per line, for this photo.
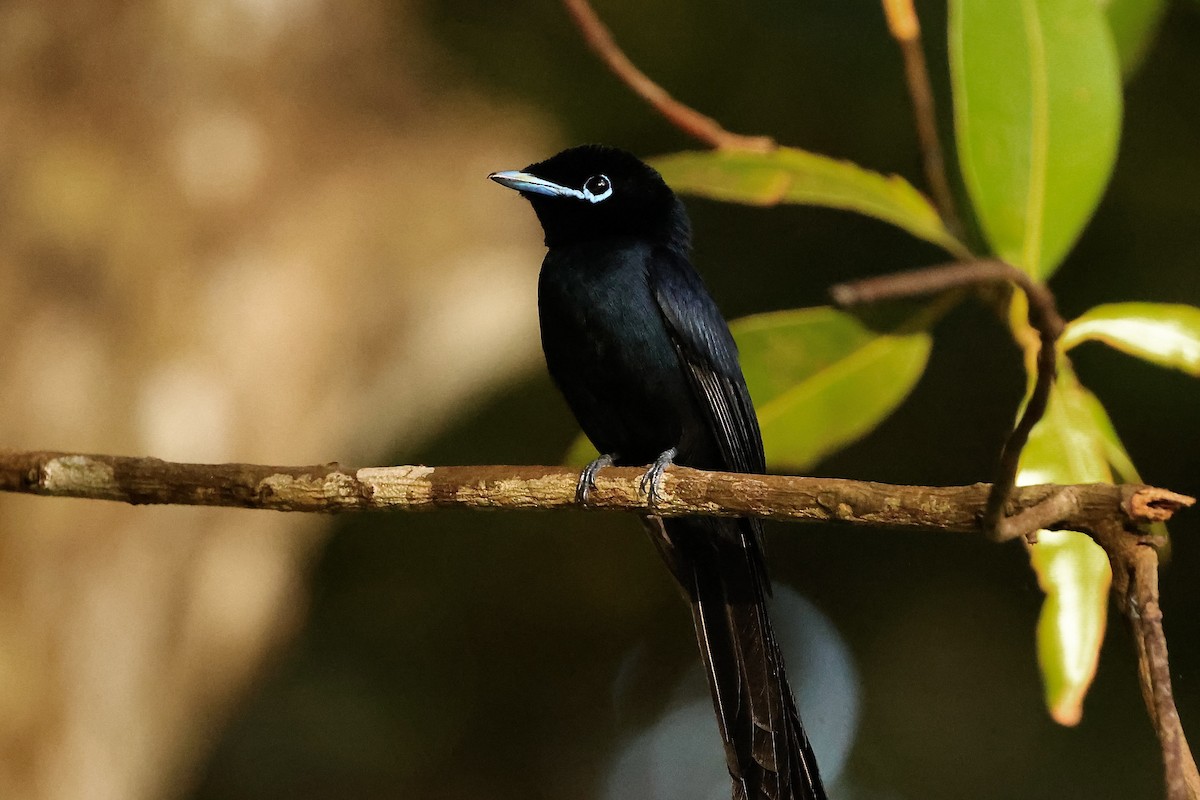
<point x="260" y="231"/>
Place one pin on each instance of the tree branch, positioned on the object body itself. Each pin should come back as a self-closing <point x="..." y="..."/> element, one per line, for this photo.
<point x="1135" y="589"/>
<point x="1043" y="317"/>
<point x="686" y="118"/>
<point x="332" y="488"/>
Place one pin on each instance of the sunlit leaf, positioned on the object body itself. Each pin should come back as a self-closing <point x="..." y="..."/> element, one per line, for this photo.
<point x="1119" y="460"/>
<point x="1074" y="573"/>
<point x="1134" y="24"/>
<point x="1106" y="434"/>
<point x="1037" y="111"/>
<point x="822" y="378"/>
<point x="1164" y="333"/>
<point x="1066" y="447"/>
<point x="789" y="175"/>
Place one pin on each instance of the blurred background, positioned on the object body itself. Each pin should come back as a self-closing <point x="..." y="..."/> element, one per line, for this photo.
<point x="260" y="231"/>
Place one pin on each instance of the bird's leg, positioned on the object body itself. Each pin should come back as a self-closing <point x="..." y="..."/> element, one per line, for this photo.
<point x="587" y="478"/>
<point x="653" y="477"/>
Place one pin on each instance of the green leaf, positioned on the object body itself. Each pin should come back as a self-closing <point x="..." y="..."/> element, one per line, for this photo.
<point x="1037" y="112"/>
<point x="1119" y="461"/>
<point x="580" y="453"/>
<point x="1068" y="446"/>
<point x="1106" y="434"/>
<point x="1075" y="575"/>
<point x="1164" y="333"/>
<point x="1134" y="24"/>
<point x="822" y="378"/>
<point x="1065" y="446"/>
<point x="789" y="175"/>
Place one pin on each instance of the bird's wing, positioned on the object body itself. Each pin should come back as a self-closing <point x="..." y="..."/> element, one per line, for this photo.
<point x="710" y="359"/>
<point x="767" y="750"/>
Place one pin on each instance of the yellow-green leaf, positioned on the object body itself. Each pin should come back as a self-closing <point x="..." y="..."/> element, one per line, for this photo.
<point x="1037" y="112"/>
<point x="1134" y="24"/>
<point x="1068" y="446"/>
<point x="822" y="378"/>
<point x="790" y="175"/>
<point x="1074" y="574"/>
<point x="1167" y="334"/>
<point x="580" y="453"/>
<point x="1106" y="434"/>
<point x="1119" y="460"/>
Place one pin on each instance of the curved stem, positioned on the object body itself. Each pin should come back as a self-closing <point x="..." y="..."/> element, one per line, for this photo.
<point x="686" y="118"/>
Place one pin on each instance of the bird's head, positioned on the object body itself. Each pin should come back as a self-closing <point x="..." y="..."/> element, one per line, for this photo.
<point x="594" y="192"/>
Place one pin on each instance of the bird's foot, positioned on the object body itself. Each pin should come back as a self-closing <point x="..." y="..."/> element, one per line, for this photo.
<point x="587" y="477"/>
<point x="653" y="478"/>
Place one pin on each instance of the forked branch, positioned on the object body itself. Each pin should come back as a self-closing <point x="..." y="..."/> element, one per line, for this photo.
<point x="1131" y="554"/>
<point x="1043" y="318"/>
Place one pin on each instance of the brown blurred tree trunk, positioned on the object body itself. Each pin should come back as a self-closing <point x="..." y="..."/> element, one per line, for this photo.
<point x="224" y="236"/>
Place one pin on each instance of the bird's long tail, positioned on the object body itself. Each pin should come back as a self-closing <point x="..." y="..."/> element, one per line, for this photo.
<point x="719" y="566"/>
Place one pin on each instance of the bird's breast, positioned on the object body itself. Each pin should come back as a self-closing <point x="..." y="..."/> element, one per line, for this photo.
<point x="609" y="351"/>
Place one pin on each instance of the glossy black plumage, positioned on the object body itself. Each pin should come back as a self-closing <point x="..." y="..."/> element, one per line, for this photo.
<point x="646" y="362"/>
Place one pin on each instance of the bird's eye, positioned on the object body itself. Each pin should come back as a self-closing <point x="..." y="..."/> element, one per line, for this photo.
<point x="597" y="188"/>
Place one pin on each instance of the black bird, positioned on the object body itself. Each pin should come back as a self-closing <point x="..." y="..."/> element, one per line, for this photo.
<point x="646" y="362"/>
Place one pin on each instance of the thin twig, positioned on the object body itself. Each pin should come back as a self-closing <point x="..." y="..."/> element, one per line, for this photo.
<point x="906" y="30"/>
<point x="1135" y="585"/>
<point x="683" y="492"/>
<point x="1043" y="317"/>
<point x="686" y="118"/>
<point x="1060" y="505"/>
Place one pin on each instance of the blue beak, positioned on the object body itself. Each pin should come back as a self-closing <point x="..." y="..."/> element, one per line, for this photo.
<point x="526" y="183"/>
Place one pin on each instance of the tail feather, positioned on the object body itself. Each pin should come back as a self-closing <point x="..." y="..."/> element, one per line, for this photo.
<point x="718" y="564"/>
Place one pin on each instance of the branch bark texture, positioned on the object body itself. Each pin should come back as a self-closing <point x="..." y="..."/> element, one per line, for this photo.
<point x="684" y="491"/>
<point x="1135" y="591"/>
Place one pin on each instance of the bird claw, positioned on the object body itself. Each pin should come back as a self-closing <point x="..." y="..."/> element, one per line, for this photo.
<point x="651" y="481"/>
<point x="587" y="477"/>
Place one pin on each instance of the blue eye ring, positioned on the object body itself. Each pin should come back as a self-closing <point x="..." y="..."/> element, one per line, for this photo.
<point x="597" y="188"/>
